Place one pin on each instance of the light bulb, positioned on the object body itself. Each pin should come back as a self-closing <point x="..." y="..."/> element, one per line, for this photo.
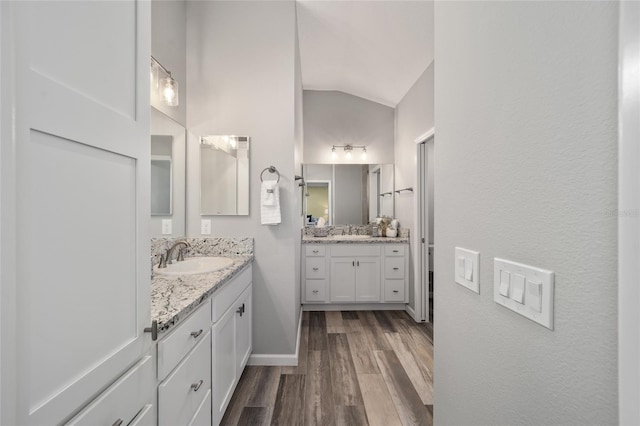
<point x="170" y="91"/>
<point x="334" y="155"/>
<point x="348" y="155"/>
<point x="364" y="153"/>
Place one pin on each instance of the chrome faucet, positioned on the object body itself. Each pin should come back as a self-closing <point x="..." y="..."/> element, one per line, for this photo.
<point x="167" y="257"/>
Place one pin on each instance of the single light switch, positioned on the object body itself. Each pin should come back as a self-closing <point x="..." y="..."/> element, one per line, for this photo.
<point x="517" y="287"/>
<point x="468" y="269"/>
<point x="166" y="227"/>
<point x="534" y="295"/>
<point x="505" y="278"/>
<point x="205" y="226"/>
<point x="461" y="267"/>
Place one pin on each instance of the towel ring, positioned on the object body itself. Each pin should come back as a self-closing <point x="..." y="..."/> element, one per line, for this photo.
<point x="270" y="169"/>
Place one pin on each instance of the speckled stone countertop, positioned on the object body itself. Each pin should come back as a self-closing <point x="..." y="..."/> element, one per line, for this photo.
<point x="173" y="298"/>
<point x="347" y="239"/>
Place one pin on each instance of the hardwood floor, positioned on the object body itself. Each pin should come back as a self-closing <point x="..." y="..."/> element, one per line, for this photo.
<point x="354" y="368"/>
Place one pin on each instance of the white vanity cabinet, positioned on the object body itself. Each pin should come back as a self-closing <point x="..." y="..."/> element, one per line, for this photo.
<point x="355" y="273"/>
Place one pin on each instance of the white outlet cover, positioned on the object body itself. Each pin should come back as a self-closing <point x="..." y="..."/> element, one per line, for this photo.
<point x="539" y="280"/>
<point x="167" y="227"/>
<point x="467" y="269"/>
<point x="205" y="226"/>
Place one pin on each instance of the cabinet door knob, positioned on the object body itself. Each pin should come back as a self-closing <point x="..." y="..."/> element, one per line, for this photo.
<point x="240" y="310"/>
<point x="118" y="422"/>
<point x="315" y="269"/>
<point x="315" y="291"/>
<point x="196" y="334"/>
<point x="153" y="330"/>
<point x="197" y="385"/>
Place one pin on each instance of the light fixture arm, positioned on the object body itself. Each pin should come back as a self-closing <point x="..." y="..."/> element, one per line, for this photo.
<point x="155" y="61"/>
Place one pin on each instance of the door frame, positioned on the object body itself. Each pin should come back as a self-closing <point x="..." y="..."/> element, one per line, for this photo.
<point x="628" y="215"/>
<point x="420" y="269"/>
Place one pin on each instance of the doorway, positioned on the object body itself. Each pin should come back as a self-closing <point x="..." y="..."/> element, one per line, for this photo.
<point x="425" y="187"/>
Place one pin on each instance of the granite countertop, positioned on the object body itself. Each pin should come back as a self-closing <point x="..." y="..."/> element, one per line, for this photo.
<point x="173" y="298"/>
<point x="352" y="239"/>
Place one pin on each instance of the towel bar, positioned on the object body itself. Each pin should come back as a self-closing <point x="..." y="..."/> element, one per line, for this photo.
<point x="270" y="169"/>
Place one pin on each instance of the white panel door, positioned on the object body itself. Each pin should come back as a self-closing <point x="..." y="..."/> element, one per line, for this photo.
<point x="75" y="199"/>
<point x="368" y="279"/>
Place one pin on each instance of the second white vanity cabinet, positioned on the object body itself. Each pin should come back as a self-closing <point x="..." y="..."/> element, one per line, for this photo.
<point x="335" y="273"/>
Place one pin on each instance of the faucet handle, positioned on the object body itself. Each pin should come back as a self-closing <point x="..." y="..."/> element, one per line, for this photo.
<point x="163" y="262"/>
<point x="180" y="255"/>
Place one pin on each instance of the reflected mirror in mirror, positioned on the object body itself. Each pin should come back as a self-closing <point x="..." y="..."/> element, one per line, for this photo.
<point x="224" y="175"/>
<point x="348" y="194"/>
<point x="168" y="142"/>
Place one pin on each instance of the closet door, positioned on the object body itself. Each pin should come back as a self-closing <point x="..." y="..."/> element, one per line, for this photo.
<point x="75" y="202"/>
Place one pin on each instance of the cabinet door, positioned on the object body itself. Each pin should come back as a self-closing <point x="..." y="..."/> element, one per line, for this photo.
<point x="367" y="279"/>
<point x="343" y="279"/>
<point x="243" y="330"/>
<point x="223" y="362"/>
<point x="75" y="198"/>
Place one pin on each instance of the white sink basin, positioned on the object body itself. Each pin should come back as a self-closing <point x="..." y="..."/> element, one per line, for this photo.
<point x="195" y="265"/>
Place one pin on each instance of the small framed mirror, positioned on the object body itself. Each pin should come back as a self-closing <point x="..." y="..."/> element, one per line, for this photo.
<point x="224" y="175"/>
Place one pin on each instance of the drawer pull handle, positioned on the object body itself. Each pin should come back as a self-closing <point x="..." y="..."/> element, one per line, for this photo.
<point x="395" y="251"/>
<point x="315" y="291"/>
<point x="196" y="386"/>
<point x="118" y="422"/>
<point x="153" y="330"/>
<point x="240" y="310"/>
<point x="395" y="269"/>
<point x="315" y="251"/>
<point x="315" y="269"/>
<point x="395" y="291"/>
<point x="353" y="263"/>
<point x="196" y="334"/>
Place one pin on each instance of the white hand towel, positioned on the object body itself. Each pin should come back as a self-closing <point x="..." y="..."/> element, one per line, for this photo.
<point x="320" y="223"/>
<point x="270" y="203"/>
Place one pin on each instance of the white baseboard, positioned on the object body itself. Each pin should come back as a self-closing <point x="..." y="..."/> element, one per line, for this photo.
<point x="354" y="307"/>
<point x="277" y="360"/>
<point x="411" y="312"/>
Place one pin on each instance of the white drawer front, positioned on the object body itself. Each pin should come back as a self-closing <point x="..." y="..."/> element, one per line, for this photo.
<point x="349" y="250"/>
<point x="314" y="250"/>
<point x="203" y="415"/>
<point x="394" y="290"/>
<point x="315" y="290"/>
<point x="394" y="249"/>
<point x="180" y="341"/>
<point x="315" y="267"/>
<point x="182" y="393"/>
<point x="123" y="400"/>
<point x="394" y="267"/>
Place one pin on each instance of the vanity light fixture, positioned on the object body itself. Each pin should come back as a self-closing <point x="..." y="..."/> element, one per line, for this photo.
<point x="348" y="149"/>
<point x="168" y="86"/>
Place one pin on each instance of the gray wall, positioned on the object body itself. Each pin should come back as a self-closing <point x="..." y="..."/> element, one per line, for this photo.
<point x="336" y="118"/>
<point x="169" y="47"/>
<point x="526" y="145"/>
<point x="414" y="117"/>
<point x="237" y="87"/>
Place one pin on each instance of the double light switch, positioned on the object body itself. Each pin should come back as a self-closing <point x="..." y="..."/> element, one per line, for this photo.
<point x="525" y="289"/>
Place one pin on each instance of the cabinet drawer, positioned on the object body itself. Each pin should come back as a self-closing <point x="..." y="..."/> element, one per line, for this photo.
<point x="394" y="249"/>
<point x="145" y="417"/>
<point x="315" y="267"/>
<point x="123" y="400"/>
<point x="203" y="415"/>
<point x="180" y="341"/>
<point x="351" y="250"/>
<point x="394" y="290"/>
<point x="394" y="267"/>
<point x="182" y="393"/>
<point x="315" y="290"/>
<point x="314" y="250"/>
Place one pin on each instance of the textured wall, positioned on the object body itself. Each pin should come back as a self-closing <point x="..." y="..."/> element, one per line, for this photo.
<point x="526" y="144"/>
<point x="414" y="117"/>
<point x="336" y="118"/>
<point x="242" y="70"/>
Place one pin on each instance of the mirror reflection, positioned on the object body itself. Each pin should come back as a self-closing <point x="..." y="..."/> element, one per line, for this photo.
<point x="347" y="194"/>
<point x="168" y="142"/>
<point x="224" y="175"/>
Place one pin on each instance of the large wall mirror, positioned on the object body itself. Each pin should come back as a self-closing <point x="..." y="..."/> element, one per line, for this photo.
<point x="168" y="145"/>
<point x="224" y="175"/>
<point x="348" y="194"/>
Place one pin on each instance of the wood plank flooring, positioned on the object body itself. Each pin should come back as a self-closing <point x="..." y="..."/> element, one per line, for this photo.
<point x="354" y="368"/>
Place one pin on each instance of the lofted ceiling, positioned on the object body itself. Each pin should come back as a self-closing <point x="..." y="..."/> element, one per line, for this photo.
<point x="372" y="49"/>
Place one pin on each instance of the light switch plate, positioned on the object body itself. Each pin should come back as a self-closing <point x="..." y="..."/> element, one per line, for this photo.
<point x="166" y="227"/>
<point x="538" y="290"/>
<point x="467" y="269"/>
<point x="205" y="226"/>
